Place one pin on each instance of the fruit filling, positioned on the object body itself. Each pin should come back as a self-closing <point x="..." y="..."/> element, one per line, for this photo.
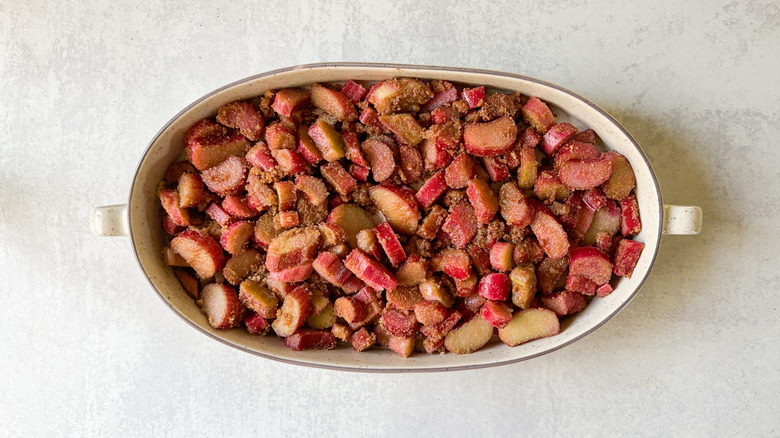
<point x="419" y="216"/>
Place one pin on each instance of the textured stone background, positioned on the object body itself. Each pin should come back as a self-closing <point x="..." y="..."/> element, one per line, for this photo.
<point x="87" y="349"/>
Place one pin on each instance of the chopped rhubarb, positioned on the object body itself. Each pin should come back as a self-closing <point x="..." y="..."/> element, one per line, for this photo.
<point x="444" y="114"/>
<point x="202" y="129"/>
<point x="295" y="274"/>
<point x="431" y="190"/>
<point x="207" y="152"/>
<point x="548" y="187"/>
<point x="590" y="263"/>
<point x="202" y="252"/>
<point x="496" y="168"/>
<point x="289" y="100"/>
<point x="556" y="136"/>
<point x="538" y="115"/>
<point x="190" y="189"/>
<point x="228" y="177"/>
<point x="307" y="148"/>
<point x="241" y="265"/>
<point x="238" y="207"/>
<point x="287" y="219"/>
<point x="605" y="220"/>
<point x="404" y="297"/>
<point x="369" y="117"/>
<point x="390" y="243"/>
<point x="513" y="206"/>
<point x="626" y="257"/>
<point x="528" y="250"/>
<point x="434" y="158"/>
<point x="333" y="102"/>
<point x="526" y="173"/>
<point x="483" y="200"/>
<point x="585" y="173"/>
<point x="220" y="303"/>
<point x="350" y="309"/>
<point x="403" y="347"/>
<point x="431" y="224"/>
<point x="412" y="271"/>
<point x="622" y="181"/>
<point x="565" y="302"/>
<point x="172" y="204"/>
<point x="313" y="188"/>
<point x="244" y="117"/>
<point x="172" y="258"/>
<point x="352" y="219"/>
<point x="429" y="312"/>
<point x="260" y="156"/>
<point x="405" y="126"/>
<point x="494" y="286"/>
<point x="501" y="256"/>
<point x="549" y="231"/>
<point x="308" y="339"/>
<point x="328" y="140"/>
<point x="236" y="236"/>
<point x="594" y="199"/>
<point x="399" y="95"/>
<point x="550" y="272"/>
<point x="398" y="322"/>
<point x="469" y="337"/>
<point x="292" y="248"/>
<point x="189" y="283"/>
<point x="411" y="164"/>
<point x="496" y="313"/>
<point x="362" y="339"/>
<point x="527" y="325"/>
<point x="354" y="91"/>
<point x="218" y="214"/>
<point x="285" y="193"/>
<point x="578" y="283"/>
<point x="370" y="271"/>
<point x="258" y="298"/>
<point x="290" y="162"/>
<point x="456" y="263"/>
<point x="177" y="169"/>
<point x="368" y="242"/>
<point x="523" y="279"/>
<point x="440" y="98"/>
<point x="629" y="216"/>
<point x="575" y="150"/>
<point x="398" y="206"/>
<point x="460" y="172"/>
<point x="433" y="290"/>
<point x="466" y="287"/>
<point x="335" y="174"/>
<point x="474" y="97"/>
<point x="461" y="225"/>
<point x="491" y="138"/>
<point x="380" y="157"/>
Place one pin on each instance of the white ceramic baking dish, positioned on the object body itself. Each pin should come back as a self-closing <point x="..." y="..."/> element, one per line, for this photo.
<point x="141" y="217"/>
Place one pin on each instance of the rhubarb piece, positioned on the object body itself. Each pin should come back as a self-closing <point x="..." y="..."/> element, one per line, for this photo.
<point x="604" y="290"/>
<point x="626" y="257"/>
<point x="280" y="288"/>
<point x="202" y="129"/>
<point x="323" y="320"/>
<point x="405" y="126"/>
<point x="404" y="297"/>
<point x="292" y="248"/>
<point x="629" y="216"/>
<point x="381" y="158"/>
<point x="390" y="243"/>
<point x="370" y="271"/>
<point x="236" y="236"/>
<point x="306" y="339"/>
<point x="293" y="313"/>
<point x="242" y="116"/>
<point x="556" y="136"/>
<point x="191" y="190"/>
<point x="622" y="180"/>
<point x="526" y="174"/>
<point x="491" y="138"/>
<point x="333" y="102"/>
<point x="444" y="114"/>
<point x="399" y="323"/>
<point x="369" y="117"/>
<point x="550" y="272"/>
<point x="549" y="188"/>
<point x="440" y="98"/>
<point x="307" y="148"/>
<point x="501" y="256"/>
<point x="352" y="285"/>
<point x="403" y="347"/>
<point x="207" y="152"/>
<point x="352" y="219"/>
<point x="373" y="304"/>
<point x="173" y="228"/>
<point x="360" y="173"/>
<point x="242" y="265"/>
<point x="575" y="150"/>
<point x="290" y="162"/>
<point x="411" y="164"/>
<point x="481" y="259"/>
<point x="354" y="91"/>
<point x="446" y="136"/>
<point x="606" y="220"/>
<point x="434" y="158"/>
<point x="368" y="242"/>
<point x="398" y="205"/>
<point x="328" y="140"/>
<point x="549" y="232"/>
<point x="514" y="207"/>
<point x="285" y="193"/>
<point x="429" y="312"/>
<point x="594" y="199"/>
<point x="440" y="329"/>
<point x="456" y="263"/>
<point x="578" y="283"/>
<point x="496" y="168"/>
<point x="432" y="222"/>
<point x="220" y="304"/>
<point x="238" y="207"/>
<point x="432" y="290"/>
<point x="586" y="173"/>
<point x="494" y="286"/>
<point x="467" y="286"/>
<point x="228" y="177"/>
<point x="218" y="214"/>
<point x="189" y="283"/>
<point x="460" y="172"/>
<point x="586" y="136"/>
<point x="496" y="313"/>
<point x="258" y="298"/>
<point x="341" y="250"/>
<point x="172" y="258"/>
<point x="528" y="250"/>
<point x="256" y="324"/>
<point x="605" y="243"/>
<point x="431" y="190"/>
<point x="483" y="199"/>
<point x="470" y="336"/>
<point x="336" y="176"/>
<point x="538" y="115"/>
<point x="474" y="97"/>
<point x="349" y="309"/>
<point x="523" y="278"/>
<point x="260" y="156"/>
<point x="313" y="188"/>
<point x="331" y="269"/>
<point x="565" y="302"/>
<point x="412" y="271"/>
<point x="289" y="100"/>
<point x="399" y="95"/>
<point x="341" y="331"/>
<point x="172" y="204"/>
<point x="265" y="232"/>
<point x="202" y="253"/>
<point x="295" y="274"/>
<point x="332" y="234"/>
<point x="461" y="225"/>
<point x="527" y="325"/>
<point x="362" y="340"/>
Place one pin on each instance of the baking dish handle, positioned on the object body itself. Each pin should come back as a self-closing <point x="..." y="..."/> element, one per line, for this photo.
<point x="682" y="219"/>
<point x="110" y="220"/>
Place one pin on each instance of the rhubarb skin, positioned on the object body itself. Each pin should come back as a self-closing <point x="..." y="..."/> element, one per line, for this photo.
<point x="370" y="271"/>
